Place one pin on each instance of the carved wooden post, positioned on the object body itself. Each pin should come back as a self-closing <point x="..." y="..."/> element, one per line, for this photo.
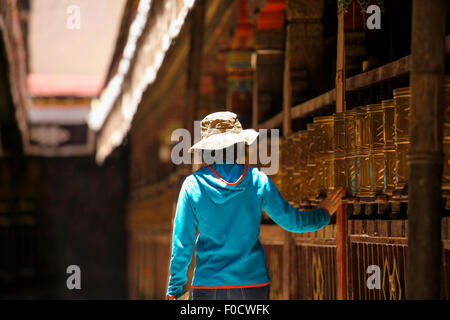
<point x="341" y="219"/>
<point x="193" y="92"/>
<point x="425" y="153"/>
<point x="354" y="28"/>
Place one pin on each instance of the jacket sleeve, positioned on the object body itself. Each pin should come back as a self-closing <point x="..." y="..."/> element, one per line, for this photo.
<point x="183" y="238"/>
<point x="285" y="215"/>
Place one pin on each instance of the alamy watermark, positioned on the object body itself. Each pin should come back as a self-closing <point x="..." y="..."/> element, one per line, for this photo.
<point x="374" y="278"/>
<point x="73" y="21"/>
<point x="374" y="20"/>
<point x="74" y="280"/>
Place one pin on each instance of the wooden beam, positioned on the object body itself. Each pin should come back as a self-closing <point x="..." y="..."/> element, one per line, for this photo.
<point x="273" y="122"/>
<point x="385" y="72"/>
<point x="340" y="61"/>
<point x="302" y="109"/>
<point x="388" y="71"/>
<point x="397" y="68"/>
<point x="314" y="104"/>
<point x="341" y="219"/>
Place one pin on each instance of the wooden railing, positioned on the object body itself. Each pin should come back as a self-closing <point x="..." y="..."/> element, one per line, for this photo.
<point x="388" y="71"/>
<point x="302" y="266"/>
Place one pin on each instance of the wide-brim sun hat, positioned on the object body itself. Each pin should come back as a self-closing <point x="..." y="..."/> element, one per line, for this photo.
<point x="221" y="130"/>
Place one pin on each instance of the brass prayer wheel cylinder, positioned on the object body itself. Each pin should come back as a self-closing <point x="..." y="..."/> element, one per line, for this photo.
<point x="388" y="121"/>
<point x="278" y="178"/>
<point x="362" y="163"/>
<point x="294" y="189"/>
<point x="319" y="171"/>
<point x="362" y="174"/>
<point x="361" y="129"/>
<point x="303" y="160"/>
<point x="296" y="154"/>
<point x="339" y="136"/>
<point x="339" y="170"/>
<point x="349" y="121"/>
<point x="401" y="165"/>
<point x="288" y="150"/>
<point x="350" y="174"/>
<point x="376" y="158"/>
<point x="319" y="147"/>
<point x="350" y="153"/>
<point x="375" y="120"/>
<point x="303" y="181"/>
<point x="311" y="147"/>
<point x="312" y="179"/>
<point x="401" y="138"/>
<point x="339" y="146"/>
<point x="389" y="170"/>
<point x="376" y="144"/>
<point x="389" y="146"/>
<point x="328" y="174"/>
<point x="324" y="127"/>
<point x="303" y="146"/>
<point x="289" y="168"/>
<point x="296" y="149"/>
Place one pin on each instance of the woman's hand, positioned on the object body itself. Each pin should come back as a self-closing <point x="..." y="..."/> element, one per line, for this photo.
<point x="332" y="202"/>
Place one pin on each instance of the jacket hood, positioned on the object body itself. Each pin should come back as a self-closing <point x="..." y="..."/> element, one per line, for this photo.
<point x="223" y="181"/>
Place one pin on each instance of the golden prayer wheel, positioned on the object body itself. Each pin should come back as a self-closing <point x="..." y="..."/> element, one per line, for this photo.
<point x="288" y="168"/>
<point x="303" y="148"/>
<point x="363" y="177"/>
<point x="319" y="164"/>
<point x="303" y="161"/>
<point x="312" y="177"/>
<point x="329" y="173"/>
<point x="389" y="146"/>
<point x="296" y="175"/>
<point x="362" y="163"/>
<point x="277" y="178"/>
<point x="376" y="144"/>
<point x="350" y="153"/>
<point x="375" y="118"/>
<point x="401" y="138"/>
<point x="324" y="127"/>
<point x="361" y="129"/>
<point x="339" y="146"/>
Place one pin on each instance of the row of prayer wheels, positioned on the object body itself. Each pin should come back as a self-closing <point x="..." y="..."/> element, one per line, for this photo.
<point x="363" y="150"/>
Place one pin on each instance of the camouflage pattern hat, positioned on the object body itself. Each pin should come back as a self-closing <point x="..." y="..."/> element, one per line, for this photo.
<point x="222" y="129"/>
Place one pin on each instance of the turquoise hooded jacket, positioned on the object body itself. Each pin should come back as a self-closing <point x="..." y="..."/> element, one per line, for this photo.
<point x="224" y="202"/>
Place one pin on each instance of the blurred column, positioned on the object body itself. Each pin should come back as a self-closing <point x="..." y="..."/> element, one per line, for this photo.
<point x="354" y="27"/>
<point x="425" y="154"/>
<point x="238" y="66"/>
<point x="268" y="60"/>
<point x="304" y="38"/>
